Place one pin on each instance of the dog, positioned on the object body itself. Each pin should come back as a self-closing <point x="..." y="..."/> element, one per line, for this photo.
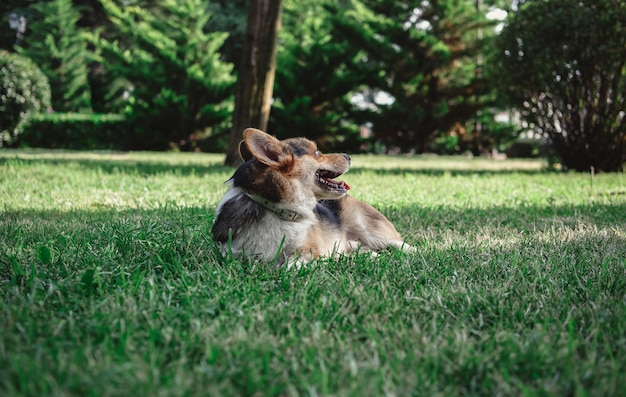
<point x="285" y="206"/>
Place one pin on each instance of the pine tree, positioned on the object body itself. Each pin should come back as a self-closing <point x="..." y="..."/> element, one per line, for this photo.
<point x="425" y="57"/>
<point x="179" y="90"/>
<point x="316" y="75"/>
<point x="409" y="68"/>
<point x="56" y="44"/>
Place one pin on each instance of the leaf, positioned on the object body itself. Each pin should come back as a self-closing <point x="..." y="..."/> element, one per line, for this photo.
<point x="44" y="255"/>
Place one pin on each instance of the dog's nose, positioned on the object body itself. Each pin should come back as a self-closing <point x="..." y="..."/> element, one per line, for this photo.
<point x="347" y="156"/>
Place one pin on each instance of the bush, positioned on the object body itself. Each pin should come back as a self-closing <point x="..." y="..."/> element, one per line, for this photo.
<point x="24" y="90"/>
<point x="562" y="64"/>
<point x="78" y="131"/>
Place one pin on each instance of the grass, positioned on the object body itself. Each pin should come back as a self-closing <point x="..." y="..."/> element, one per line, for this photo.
<point x="111" y="284"/>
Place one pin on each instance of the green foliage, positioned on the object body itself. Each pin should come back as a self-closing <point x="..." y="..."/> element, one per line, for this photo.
<point x="477" y="139"/>
<point x="423" y="57"/>
<point x="179" y="90"/>
<point x="562" y="63"/>
<point x="315" y="76"/>
<point x="231" y="17"/>
<point x="75" y="131"/>
<point x="57" y="45"/>
<point x="410" y="69"/>
<point x="24" y="91"/>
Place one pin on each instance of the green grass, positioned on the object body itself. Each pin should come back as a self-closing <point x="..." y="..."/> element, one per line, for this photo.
<point x="111" y="284"/>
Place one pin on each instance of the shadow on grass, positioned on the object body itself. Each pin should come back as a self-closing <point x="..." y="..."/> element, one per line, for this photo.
<point x="525" y="217"/>
<point x="411" y="220"/>
<point x="593" y="213"/>
<point x="130" y="166"/>
<point x="99" y="251"/>
<point x="123" y="163"/>
<point x="571" y="242"/>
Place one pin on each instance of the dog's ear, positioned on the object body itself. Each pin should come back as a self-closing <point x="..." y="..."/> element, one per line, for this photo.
<point x="264" y="147"/>
<point x="244" y="152"/>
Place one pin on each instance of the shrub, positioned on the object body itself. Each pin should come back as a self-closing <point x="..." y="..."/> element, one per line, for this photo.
<point x="563" y="65"/>
<point x="24" y="90"/>
<point x="78" y="131"/>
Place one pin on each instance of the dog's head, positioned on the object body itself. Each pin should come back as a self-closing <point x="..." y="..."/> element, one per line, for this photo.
<point x="292" y="167"/>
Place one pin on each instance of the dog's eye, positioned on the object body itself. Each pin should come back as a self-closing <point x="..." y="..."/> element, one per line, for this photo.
<point x="318" y="153"/>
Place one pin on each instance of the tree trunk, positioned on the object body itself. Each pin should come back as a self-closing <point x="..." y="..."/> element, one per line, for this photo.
<point x="255" y="81"/>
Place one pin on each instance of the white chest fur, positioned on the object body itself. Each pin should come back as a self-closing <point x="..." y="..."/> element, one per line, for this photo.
<point x="267" y="238"/>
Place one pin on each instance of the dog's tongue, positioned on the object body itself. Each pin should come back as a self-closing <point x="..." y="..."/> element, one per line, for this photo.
<point x="342" y="184"/>
<point x="335" y="184"/>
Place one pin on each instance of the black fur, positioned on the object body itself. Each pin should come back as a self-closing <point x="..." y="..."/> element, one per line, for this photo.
<point x="329" y="210"/>
<point x="253" y="176"/>
<point x="298" y="149"/>
<point x="236" y="214"/>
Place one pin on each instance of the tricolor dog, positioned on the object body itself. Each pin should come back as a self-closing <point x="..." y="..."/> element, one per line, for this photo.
<point x="284" y="205"/>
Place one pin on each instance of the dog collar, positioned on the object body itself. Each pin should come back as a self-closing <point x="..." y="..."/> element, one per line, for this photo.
<point x="282" y="213"/>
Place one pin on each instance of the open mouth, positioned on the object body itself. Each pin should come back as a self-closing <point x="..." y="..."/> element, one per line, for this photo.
<point x="327" y="178"/>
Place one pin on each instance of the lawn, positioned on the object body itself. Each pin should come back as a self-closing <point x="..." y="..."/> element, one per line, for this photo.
<point x="111" y="284"/>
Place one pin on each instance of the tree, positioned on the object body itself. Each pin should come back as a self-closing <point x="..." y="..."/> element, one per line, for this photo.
<point x="424" y="54"/>
<point x="56" y="45"/>
<point x="562" y="64"/>
<point x="232" y="19"/>
<point x="177" y="87"/>
<point x="316" y="75"/>
<point x="257" y="67"/>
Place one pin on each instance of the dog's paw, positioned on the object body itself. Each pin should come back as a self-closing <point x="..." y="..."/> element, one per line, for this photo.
<point x="298" y="262"/>
<point x="403" y="247"/>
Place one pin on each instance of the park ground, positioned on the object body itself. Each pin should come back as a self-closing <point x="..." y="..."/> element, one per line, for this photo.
<point x="110" y="284"/>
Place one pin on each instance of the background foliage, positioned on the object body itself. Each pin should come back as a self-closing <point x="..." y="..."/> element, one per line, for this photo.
<point x="356" y="75"/>
<point x="572" y="87"/>
<point x="424" y="55"/>
<point x="24" y="90"/>
<point x="317" y="73"/>
<point x="56" y="44"/>
<point x="77" y="131"/>
<point x="176" y="85"/>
